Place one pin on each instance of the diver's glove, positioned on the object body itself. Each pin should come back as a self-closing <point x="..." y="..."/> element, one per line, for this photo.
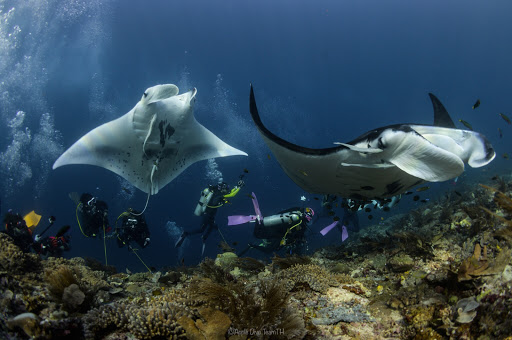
<point x="37" y="238"/>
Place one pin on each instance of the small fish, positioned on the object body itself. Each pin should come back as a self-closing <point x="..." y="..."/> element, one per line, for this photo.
<point x="182" y="261"/>
<point x="331" y="213"/>
<point x="370" y="217"/>
<point x="235" y="243"/>
<point x="466" y="124"/>
<point x="408" y="193"/>
<point x="328" y="206"/>
<point x="425" y="200"/>
<point x="367" y="209"/>
<point x="303" y="172"/>
<point x="316" y="198"/>
<point x="423" y="188"/>
<point x="416" y="198"/>
<point x="126" y="190"/>
<point x="335" y="218"/>
<point x="494" y="178"/>
<point x="458" y="193"/>
<point x="505" y="118"/>
<point x="500" y="132"/>
<point x="477" y="104"/>
<point x="246" y="171"/>
<point x="250" y="196"/>
<point x="505" y="155"/>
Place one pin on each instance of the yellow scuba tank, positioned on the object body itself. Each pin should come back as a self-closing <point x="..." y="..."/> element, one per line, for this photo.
<point x="206" y="196"/>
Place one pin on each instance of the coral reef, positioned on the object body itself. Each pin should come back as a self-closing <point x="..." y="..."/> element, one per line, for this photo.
<point x="145" y="319"/>
<point x="247" y="310"/>
<point x="442" y="271"/>
<point x="308" y="276"/>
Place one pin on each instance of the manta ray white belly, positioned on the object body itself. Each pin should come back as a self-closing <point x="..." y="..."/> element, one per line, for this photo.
<point x="153" y="143"/>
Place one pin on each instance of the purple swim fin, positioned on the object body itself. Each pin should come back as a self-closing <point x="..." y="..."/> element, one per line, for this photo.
<point x="240" y="219"/>
<point x="344" y="234"/>
<point x="256" y="207"/>
<point x="328" y="228"/>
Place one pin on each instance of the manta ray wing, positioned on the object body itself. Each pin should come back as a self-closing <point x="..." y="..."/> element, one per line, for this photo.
<point x="108" y="146"/>
<point x="153" y="143"/>
<point x="382" y="162"/>
<point x="340" y="170"/>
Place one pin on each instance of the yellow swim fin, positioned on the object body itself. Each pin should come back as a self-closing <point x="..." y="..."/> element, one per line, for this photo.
<point x="32" y="219"/>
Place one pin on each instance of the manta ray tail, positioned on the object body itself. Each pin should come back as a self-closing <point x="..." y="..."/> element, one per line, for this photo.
<point x="148" y="134"/>
<point x="152" y="189"/>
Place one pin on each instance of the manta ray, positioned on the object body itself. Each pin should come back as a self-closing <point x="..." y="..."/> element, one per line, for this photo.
<point x="151" y="144"/>
<point x="383" y="162"/>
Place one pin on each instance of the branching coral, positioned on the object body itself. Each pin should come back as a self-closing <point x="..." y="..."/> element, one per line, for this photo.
<point x="289" y="261"/>
<point x="156" y="317"/>
<point x="249" y="310"/>
<point x="502" y="201"/>
<point x="249" y="264"/>
<point x="314" y="277"/>
<point x="12" y="259"/>
<point x="213" y="272"/>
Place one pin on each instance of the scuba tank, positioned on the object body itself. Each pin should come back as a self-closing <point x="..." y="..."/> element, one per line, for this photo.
<point x="292" y="217"/>
<point x="206" y="196"/>
<point x="274" y="226"/>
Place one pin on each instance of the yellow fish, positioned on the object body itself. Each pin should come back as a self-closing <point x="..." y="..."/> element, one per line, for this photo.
<point x="466" y="124"/>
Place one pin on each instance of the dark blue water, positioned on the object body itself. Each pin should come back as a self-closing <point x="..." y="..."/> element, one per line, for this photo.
<point x="323" y="72"/>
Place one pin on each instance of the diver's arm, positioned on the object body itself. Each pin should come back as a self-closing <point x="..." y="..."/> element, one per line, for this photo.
<point x="235" y="189"/>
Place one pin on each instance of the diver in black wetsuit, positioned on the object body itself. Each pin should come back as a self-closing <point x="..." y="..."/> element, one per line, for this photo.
<point x="16" y="227"/>
<point x="285" y="230"/>
<point x="133" y="228"/>
<point x="94" y="215"/>
<point x="211" y="199"/>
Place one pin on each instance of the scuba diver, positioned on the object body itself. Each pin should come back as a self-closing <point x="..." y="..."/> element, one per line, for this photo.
<point x="350" y="209"/>
<point x="16" y="227"/>
<point x="211" y="199"/>
<point x="285" y="230"/>
<point x="94" y="215"/>
<point x="133" y="228"/>
<point x="53" y="245"/>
